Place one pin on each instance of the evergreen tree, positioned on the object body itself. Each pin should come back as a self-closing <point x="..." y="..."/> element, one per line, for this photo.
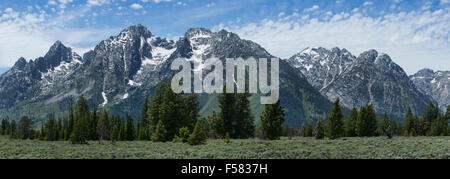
<point x="93" y="135"/>
<point x="143" y="123"/>
<point x="114" y="136"/>
<point x="350" y="124"/>
<point x="104" y="126"/>
<point x="227" y="104"/>
<point x="308" y="130"/>
<point x="13" y="129"/>
<point x="183" y="135"/>
<point x="80" y="133"/>
<point x="447" y="113"/>
<point x="271" y="120"/>
<point x="244" y="124"/>
<point x="70" y="123"/>
<point x="335" y="121"/>
<point x="50" y="129"/>
<point x="319" y="130"/>
<point x="385" y="123"/>
<point x="410" y="124"/>
<point x="25" y="128"/>
<point x="439" y="126"/>
<point x="5" y="127"/>
<point x="199" y="135"/>
<point x="160" y="134"/>
<point x="217" y="124"/>
<point x="421" y="127"/>
<point x="129" y="128"/>
<point x="367" y="122"/>
<point x="431" y="113"/>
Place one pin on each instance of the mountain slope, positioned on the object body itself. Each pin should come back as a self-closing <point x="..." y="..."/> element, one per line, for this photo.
<point x="122" y="70"/>
<point x="371" y="78"/>
<point x="435" y="84"/>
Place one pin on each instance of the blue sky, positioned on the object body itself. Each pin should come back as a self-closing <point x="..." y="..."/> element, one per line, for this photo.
<point x="414" y="33"/>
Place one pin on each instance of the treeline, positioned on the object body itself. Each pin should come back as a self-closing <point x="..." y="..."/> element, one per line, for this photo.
<point x="364" y="123"/>
<point x="165" y="116"/>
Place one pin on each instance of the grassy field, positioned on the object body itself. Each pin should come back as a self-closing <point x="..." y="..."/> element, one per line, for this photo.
<point x="296" y="148"/>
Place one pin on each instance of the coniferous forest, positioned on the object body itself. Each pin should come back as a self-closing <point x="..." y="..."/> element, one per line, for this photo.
<point x="167" y="118"/>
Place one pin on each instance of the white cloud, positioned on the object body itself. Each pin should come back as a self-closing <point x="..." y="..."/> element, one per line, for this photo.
<point x="97" y="2"/>
<point x="314" y="7"/>
<point x="30" y="35"/>
<point x="414" y="40"/>
<point x="136" y="6"/>
<point x="368" y="3"/>
<point x="158" y="1"/>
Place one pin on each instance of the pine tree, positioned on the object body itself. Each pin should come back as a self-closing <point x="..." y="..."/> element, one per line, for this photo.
<point x="129" y="128"/>
<point x="410" y="124"/>
<point x="271" y="120"/>
<point x="227" y="104"/>
<point x="308" y="130"/>
<point x="384" y="125"/>
<point x="5" y="127"/>
<point x="319" y="130"/>
<point x="104" y="126"/>
<point x="114" y="136"/>
<point x="245" y="127"/>
<point x="93" y="135"/>
<point x="50" y="129"/>
<point x="350" y="124"/>
<point x="217" y="124"/>
<point x="199" y="135"/>
<point x="431" y="113"/>
<point x="70" y="123"/>
<point x="335" y="121"/>
<point x="160" y="134"/>
<point x="142" y="125"/>
<point x="439" y="126"/>
<point x="80" y="133"/>
<point x="13" y="129"/>
<point x="367" y="122"/>
<point x="25" y="128"/>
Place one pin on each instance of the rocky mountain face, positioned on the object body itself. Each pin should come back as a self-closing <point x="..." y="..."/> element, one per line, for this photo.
<point x="435" y="84"/>
<point x="371" y="78"/>
<point x="122" y="70"/>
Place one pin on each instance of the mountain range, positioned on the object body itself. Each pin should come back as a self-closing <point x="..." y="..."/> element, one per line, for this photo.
<point x="120" y="72"/>
<point x="371" y="78"/>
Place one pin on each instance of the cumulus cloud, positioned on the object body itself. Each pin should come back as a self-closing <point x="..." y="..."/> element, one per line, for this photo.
<point x="415" y="39"/>
<point x="314" y="7"/>
<point x="136" y="6"/>
<point x="158" y="1"/>
<point x="368" y="3"/>
<point x="97" y="2"/>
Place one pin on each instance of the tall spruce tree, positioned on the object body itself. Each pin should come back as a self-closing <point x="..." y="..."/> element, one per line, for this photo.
<point x="199" y="135"/>
<point x="350" y="124"/>
<point x="25" y="128"/>
<point x="129" y="128"/>
<point x="367" y="121"/>
<point x="319" y="130"/>
<point x="335" y="125"/>
<point x="80" y="133"/>
<point x="227" y="104"/>
<point x="410" y="124"/>
<point x="431" y="113"/>
<point x="50" y="129"/>
<point x="245" y="127"/>
<point x="271" y="120"/>
<point x="104" y="126"/>
<point x="385" y="123"/>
